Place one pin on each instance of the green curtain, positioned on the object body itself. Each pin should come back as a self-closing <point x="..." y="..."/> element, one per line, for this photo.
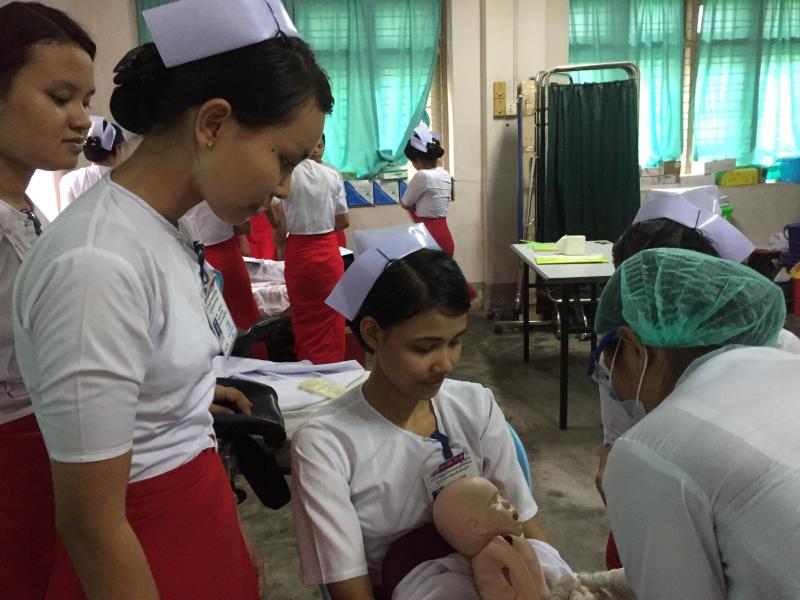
<point x="650" y="34"/>
<point x="747" y="98"/>
<point x="141" y="5"/>
<point x="592" y="180"/>
<point x="380" y="56"/>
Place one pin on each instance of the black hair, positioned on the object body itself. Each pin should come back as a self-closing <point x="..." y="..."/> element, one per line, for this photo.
<point x="660" y="233"/>
<point x="434" y="152"/>
<point x="94" y="151"/>
<point x="323" y="137"/>
<point x="23" y="24"/>
<point x="266" y="84"/>
<point x="423" y="280"/>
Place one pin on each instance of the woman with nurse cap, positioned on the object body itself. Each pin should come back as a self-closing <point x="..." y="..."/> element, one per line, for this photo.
<point x="229" y="100"/>
<point x="46" y="83"/>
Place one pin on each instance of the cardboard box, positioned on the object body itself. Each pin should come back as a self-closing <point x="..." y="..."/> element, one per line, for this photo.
<point x="651" y="171"/>
<point x="697" y="180"/>
<point x="716" y="166"/>
<point x="672" y="167"/>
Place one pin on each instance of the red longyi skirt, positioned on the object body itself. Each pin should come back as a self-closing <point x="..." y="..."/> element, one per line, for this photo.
<point x="187" y="524"/>
<point x="439" y="231"/>
<point x="27" y="525"/>
<point x="313" y="268"/>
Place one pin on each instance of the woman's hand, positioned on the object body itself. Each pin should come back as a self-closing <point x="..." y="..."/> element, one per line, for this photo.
<point x="228" y="400"/>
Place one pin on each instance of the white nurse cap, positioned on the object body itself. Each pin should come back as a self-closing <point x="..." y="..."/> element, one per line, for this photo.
<point x="422" y="136"/>
<point x="106" y="135"/>
<point x="354" y="286"/>
<point x="189" y="30"/>
<point x="693" y="208"/>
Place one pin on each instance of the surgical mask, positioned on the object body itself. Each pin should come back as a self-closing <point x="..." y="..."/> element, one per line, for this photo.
<point x="638" y="407"/>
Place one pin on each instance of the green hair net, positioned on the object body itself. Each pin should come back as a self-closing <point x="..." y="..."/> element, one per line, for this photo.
<point x="673" y="298"/>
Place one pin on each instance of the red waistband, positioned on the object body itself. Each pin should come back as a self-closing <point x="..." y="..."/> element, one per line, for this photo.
<point x="26" y="424"/>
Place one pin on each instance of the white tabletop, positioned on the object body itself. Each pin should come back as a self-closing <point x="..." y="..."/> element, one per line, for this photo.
<point x="575" y="273"/>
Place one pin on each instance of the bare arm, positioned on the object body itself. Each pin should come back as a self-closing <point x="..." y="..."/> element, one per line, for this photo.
<point x="90" y="517"/>
<point x="357" y="588"/>
<point x="532" y="529"/>
<point x="245" y="228"/>
<point x="341" y="221"/>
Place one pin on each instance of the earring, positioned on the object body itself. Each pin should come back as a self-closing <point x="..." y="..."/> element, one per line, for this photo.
<point x="210" y="144"/>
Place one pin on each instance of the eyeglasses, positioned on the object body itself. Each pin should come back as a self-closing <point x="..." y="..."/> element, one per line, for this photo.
<point x="608" y="342"/>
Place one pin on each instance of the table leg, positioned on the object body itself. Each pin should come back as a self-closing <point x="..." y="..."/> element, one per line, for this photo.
<point x="526" y="313"/>
<point x="594" y="308"/>
<point x="565" y="325"/>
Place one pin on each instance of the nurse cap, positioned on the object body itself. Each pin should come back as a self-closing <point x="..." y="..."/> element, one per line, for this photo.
<point x="106" y="136"/>
<point x="189" y="30"/>
<point x="694" y="208"/>
<point x="356" y="283"/>
<point x="422" y="136"/>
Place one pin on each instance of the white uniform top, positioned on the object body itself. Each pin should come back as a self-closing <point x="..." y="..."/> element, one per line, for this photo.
<point x="429" y="191"/>
<point x="357" y="479"/>
<point x="17" y="234"/>
<point x="704" y="493"/>
<point x="112" y="336"/>
<point x="211" y="229"/>
<point x="619" y="415"/>
<point x="76" y="182"/>
<point x="316" y="196"/>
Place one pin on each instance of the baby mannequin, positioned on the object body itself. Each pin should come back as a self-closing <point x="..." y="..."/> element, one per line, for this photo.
<point x="479" y="523"/>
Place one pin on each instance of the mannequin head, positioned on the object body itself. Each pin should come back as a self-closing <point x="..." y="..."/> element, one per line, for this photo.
<point x="470" y="511"/>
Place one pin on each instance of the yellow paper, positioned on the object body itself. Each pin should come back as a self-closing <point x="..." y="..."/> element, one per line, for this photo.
<point x="541" y="246"/>
<point x="319" y="386"/>
<point x="569" y="260"/>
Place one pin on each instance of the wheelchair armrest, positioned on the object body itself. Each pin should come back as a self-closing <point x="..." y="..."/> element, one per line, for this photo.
<point x="266" y="420"/>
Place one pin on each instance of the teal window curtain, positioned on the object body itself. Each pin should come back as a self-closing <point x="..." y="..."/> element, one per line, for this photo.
<point x="650" y="34"/>
<point x="380" y="56"/>
<point x="747" y="97"/>
<point x="141" y="5"/>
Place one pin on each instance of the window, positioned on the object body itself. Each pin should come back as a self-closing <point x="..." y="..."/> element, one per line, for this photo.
<point x="748" y="83"/>
<point x="729" y="91"/>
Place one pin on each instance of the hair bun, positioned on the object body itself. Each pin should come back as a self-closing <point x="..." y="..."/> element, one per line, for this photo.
<point x="435" y="149"/>
<point x="140" y="78"/>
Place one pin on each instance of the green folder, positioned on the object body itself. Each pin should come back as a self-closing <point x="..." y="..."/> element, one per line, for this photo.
<point x="570" y="260"/>
<point x="540" y="246"/>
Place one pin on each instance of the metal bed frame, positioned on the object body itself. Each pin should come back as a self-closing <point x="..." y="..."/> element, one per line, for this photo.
<point x="528" y="212"/>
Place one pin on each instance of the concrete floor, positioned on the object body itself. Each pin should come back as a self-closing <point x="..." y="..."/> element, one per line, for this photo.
<point x="563" y="462"/>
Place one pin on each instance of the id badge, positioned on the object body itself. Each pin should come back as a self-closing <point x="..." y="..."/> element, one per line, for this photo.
<point x="219" y="318"/>
<point x="461" y="465"/>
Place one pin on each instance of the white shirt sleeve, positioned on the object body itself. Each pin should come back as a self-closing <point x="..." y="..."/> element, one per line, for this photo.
<point x="339" y="197"/>
<point x="416" y="187"/>
<point x="86" y="320"/>
<point x="329" y="538"/>
<point x="663" y="525"/>
<point x="66" y="192"/>
<point x="500" y="464"/>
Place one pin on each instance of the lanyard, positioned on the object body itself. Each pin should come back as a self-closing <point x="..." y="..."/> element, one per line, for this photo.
<point x="37" y="224"/>
<point x="442" y="439"/>
<point x="200" y="251"/>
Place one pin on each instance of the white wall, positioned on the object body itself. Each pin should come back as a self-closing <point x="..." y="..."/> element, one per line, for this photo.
<point x="493" y="40"/>
<point x="761" y="210"/>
